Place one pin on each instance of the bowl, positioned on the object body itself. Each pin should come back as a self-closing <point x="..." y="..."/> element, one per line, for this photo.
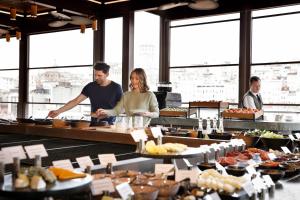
<point x="275" y="144"/>
<point x="25" y="121"/>
<point x="269" y="165"/>
<point x="204" y="166"/>
<point x="235" y="170"/>
<point x="221" y="136"/>
<point x="79" y="123"/>
<point x="167" y="188"/>
<point x="43" y="121"/>
<point x="145" y="192"/>
<point x="273" y="173"/>
<point x="59" y="123"/>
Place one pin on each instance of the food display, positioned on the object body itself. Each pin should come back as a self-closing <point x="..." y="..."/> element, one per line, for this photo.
<point x="35" y="178"/>
<point x="242" y="113"/>
<point x="167" y="148"/>
<point x="270" y="134"/>
<point x="59" y="123"/>
<point x="208" y="104"/>
<point x="65" y="174"/>
<point x="212" y="179"/>
<point x="176" y="112"/>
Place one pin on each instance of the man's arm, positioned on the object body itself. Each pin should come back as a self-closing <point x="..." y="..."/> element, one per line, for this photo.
<point x="249" y="102"/>
<point x="71" y="104"/>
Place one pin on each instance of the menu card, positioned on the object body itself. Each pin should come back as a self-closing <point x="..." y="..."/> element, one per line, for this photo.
<point x="33" y="150"/>
<point x="84" y="161"/>
<point x="65" y="164"/>
<point x="11" y="152"/>
<point x="107" y="158"/>
<point x="100" y="185"/>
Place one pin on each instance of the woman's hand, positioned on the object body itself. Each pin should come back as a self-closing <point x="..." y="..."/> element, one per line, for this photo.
<point x="145" y="114"/>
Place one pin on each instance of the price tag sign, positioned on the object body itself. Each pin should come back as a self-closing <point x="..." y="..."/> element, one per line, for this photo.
<point x="125" y="191"/>
<point x="297" y="135"/>
<point x="221" y="168"/>
<point x="138" y="135"/>
<point x="212" y="196"/>
<point x="107" y="158"/>
<point x="11" y="152"/>
<point x="33" y="150"/>
<point x="156" y="132"/>
<point x="85" y="161"/>
<point x="249" y="188"/>
<point x="167" y="169"/>
<point x="291" y="137"/>
<point x="286" y="150"/>
<point x="192" y="174"/>
<point x="65" y="164"/>
<point x="100" y="185"/>
<point x="2" y="157"/>
<point x="268" y="180"/>
<point x="259" y="184"/>
<point x="251" y="170"/>
<point x="272" y="156"/>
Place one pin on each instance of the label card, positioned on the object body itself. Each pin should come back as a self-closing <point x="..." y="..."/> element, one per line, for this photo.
<point x="251" y="170"/>
<point x="125" y="191"/>
<point x="268" y="180"/>
<point x="291" y="137"/>
<point x="258" y="184"/>
<point x="167" y="169"/>
<point x="286" y="150"/>
<point x="100" y="185"/>
<point x="15" y="151"/>
<point x="65" y="164"/>
<point x="272" y="156"/>
<point x="107" y="158"/>
<point x="138" y="135"/>
<point x="221" y="168"/>
<point x="3" y="157"/>
<point x="156" y="131"/>
<point x="249" y="188"/>
<point x="85" y="161"/>
<point x="192" y="174"/>
<point x="34" y="150"/>
<point x="212" y="196"/>
<point x="297" y="135"/>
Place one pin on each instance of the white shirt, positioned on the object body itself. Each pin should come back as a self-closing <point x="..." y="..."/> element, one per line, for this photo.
<point x="249" y="101"/>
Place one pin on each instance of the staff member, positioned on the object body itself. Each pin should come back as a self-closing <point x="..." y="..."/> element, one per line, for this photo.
<point x="252" y="98"/>
<point x="139" y="101"/>
<point x="103" y="93"/>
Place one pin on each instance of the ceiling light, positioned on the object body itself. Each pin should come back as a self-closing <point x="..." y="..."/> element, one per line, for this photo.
<point x="94" y="1"/>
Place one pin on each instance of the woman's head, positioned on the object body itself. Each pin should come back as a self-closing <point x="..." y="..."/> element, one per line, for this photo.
<point x="138" y="80"/>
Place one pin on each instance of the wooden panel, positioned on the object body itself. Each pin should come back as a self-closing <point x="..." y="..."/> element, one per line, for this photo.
<point x="208" y="104"/>
<point x="256" y="115"/>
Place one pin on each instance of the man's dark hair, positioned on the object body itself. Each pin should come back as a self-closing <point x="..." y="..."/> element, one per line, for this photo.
<point x="101" y="66"/>
<point x="254" y="79"/>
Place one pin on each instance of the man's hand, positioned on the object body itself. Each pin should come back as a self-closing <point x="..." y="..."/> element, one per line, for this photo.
<point x="101" y="113"/>
<point x="53" y="113"/>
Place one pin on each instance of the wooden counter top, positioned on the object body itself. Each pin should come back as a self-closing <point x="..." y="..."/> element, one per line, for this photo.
<point x="94" y="134"/>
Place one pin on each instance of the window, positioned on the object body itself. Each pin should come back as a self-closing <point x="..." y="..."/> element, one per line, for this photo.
<point x="204" y="58"/>
<point x="146" y="46"/>
<point x="275" y="57"/>
<point x="58" y="73"/>
<point x="9" y="78"/>
<point x="114" y="47"/>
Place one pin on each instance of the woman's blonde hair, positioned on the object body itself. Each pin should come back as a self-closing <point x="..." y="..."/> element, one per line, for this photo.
<point x="142" y="78"/>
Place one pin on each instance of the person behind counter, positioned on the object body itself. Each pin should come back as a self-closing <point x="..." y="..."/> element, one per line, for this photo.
<point x="103" y="93"/>
<point x="252" y="98"/>
<point x="138" y="101"/>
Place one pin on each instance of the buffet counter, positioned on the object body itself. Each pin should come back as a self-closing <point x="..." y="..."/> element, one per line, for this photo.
<point x="97" y="134"/>
<point x="231" y="124"/>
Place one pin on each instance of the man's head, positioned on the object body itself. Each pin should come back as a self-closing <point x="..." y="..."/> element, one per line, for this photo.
<point x="101" y="72"/>
<point x="254" y="84"/>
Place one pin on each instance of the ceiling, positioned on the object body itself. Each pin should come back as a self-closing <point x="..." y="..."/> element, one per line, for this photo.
<point x="110" y="9"/>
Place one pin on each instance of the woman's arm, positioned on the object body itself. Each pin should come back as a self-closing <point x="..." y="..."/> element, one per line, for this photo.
<point x="153" y="107"/>
<point x="118" y="109"/>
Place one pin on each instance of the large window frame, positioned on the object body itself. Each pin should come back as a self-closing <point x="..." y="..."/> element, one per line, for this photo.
<point x="216" y="21"/>
<point x="265" y="64"/>
<point x="57" y="104"/>
<point x="10" y="69"/>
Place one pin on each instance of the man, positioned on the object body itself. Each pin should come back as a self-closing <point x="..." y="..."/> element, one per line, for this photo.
<point x="252" y="98"/>
<point x="103" y="93"/>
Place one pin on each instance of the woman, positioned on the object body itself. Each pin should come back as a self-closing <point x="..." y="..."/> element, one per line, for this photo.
<point x="139" y="101"/>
